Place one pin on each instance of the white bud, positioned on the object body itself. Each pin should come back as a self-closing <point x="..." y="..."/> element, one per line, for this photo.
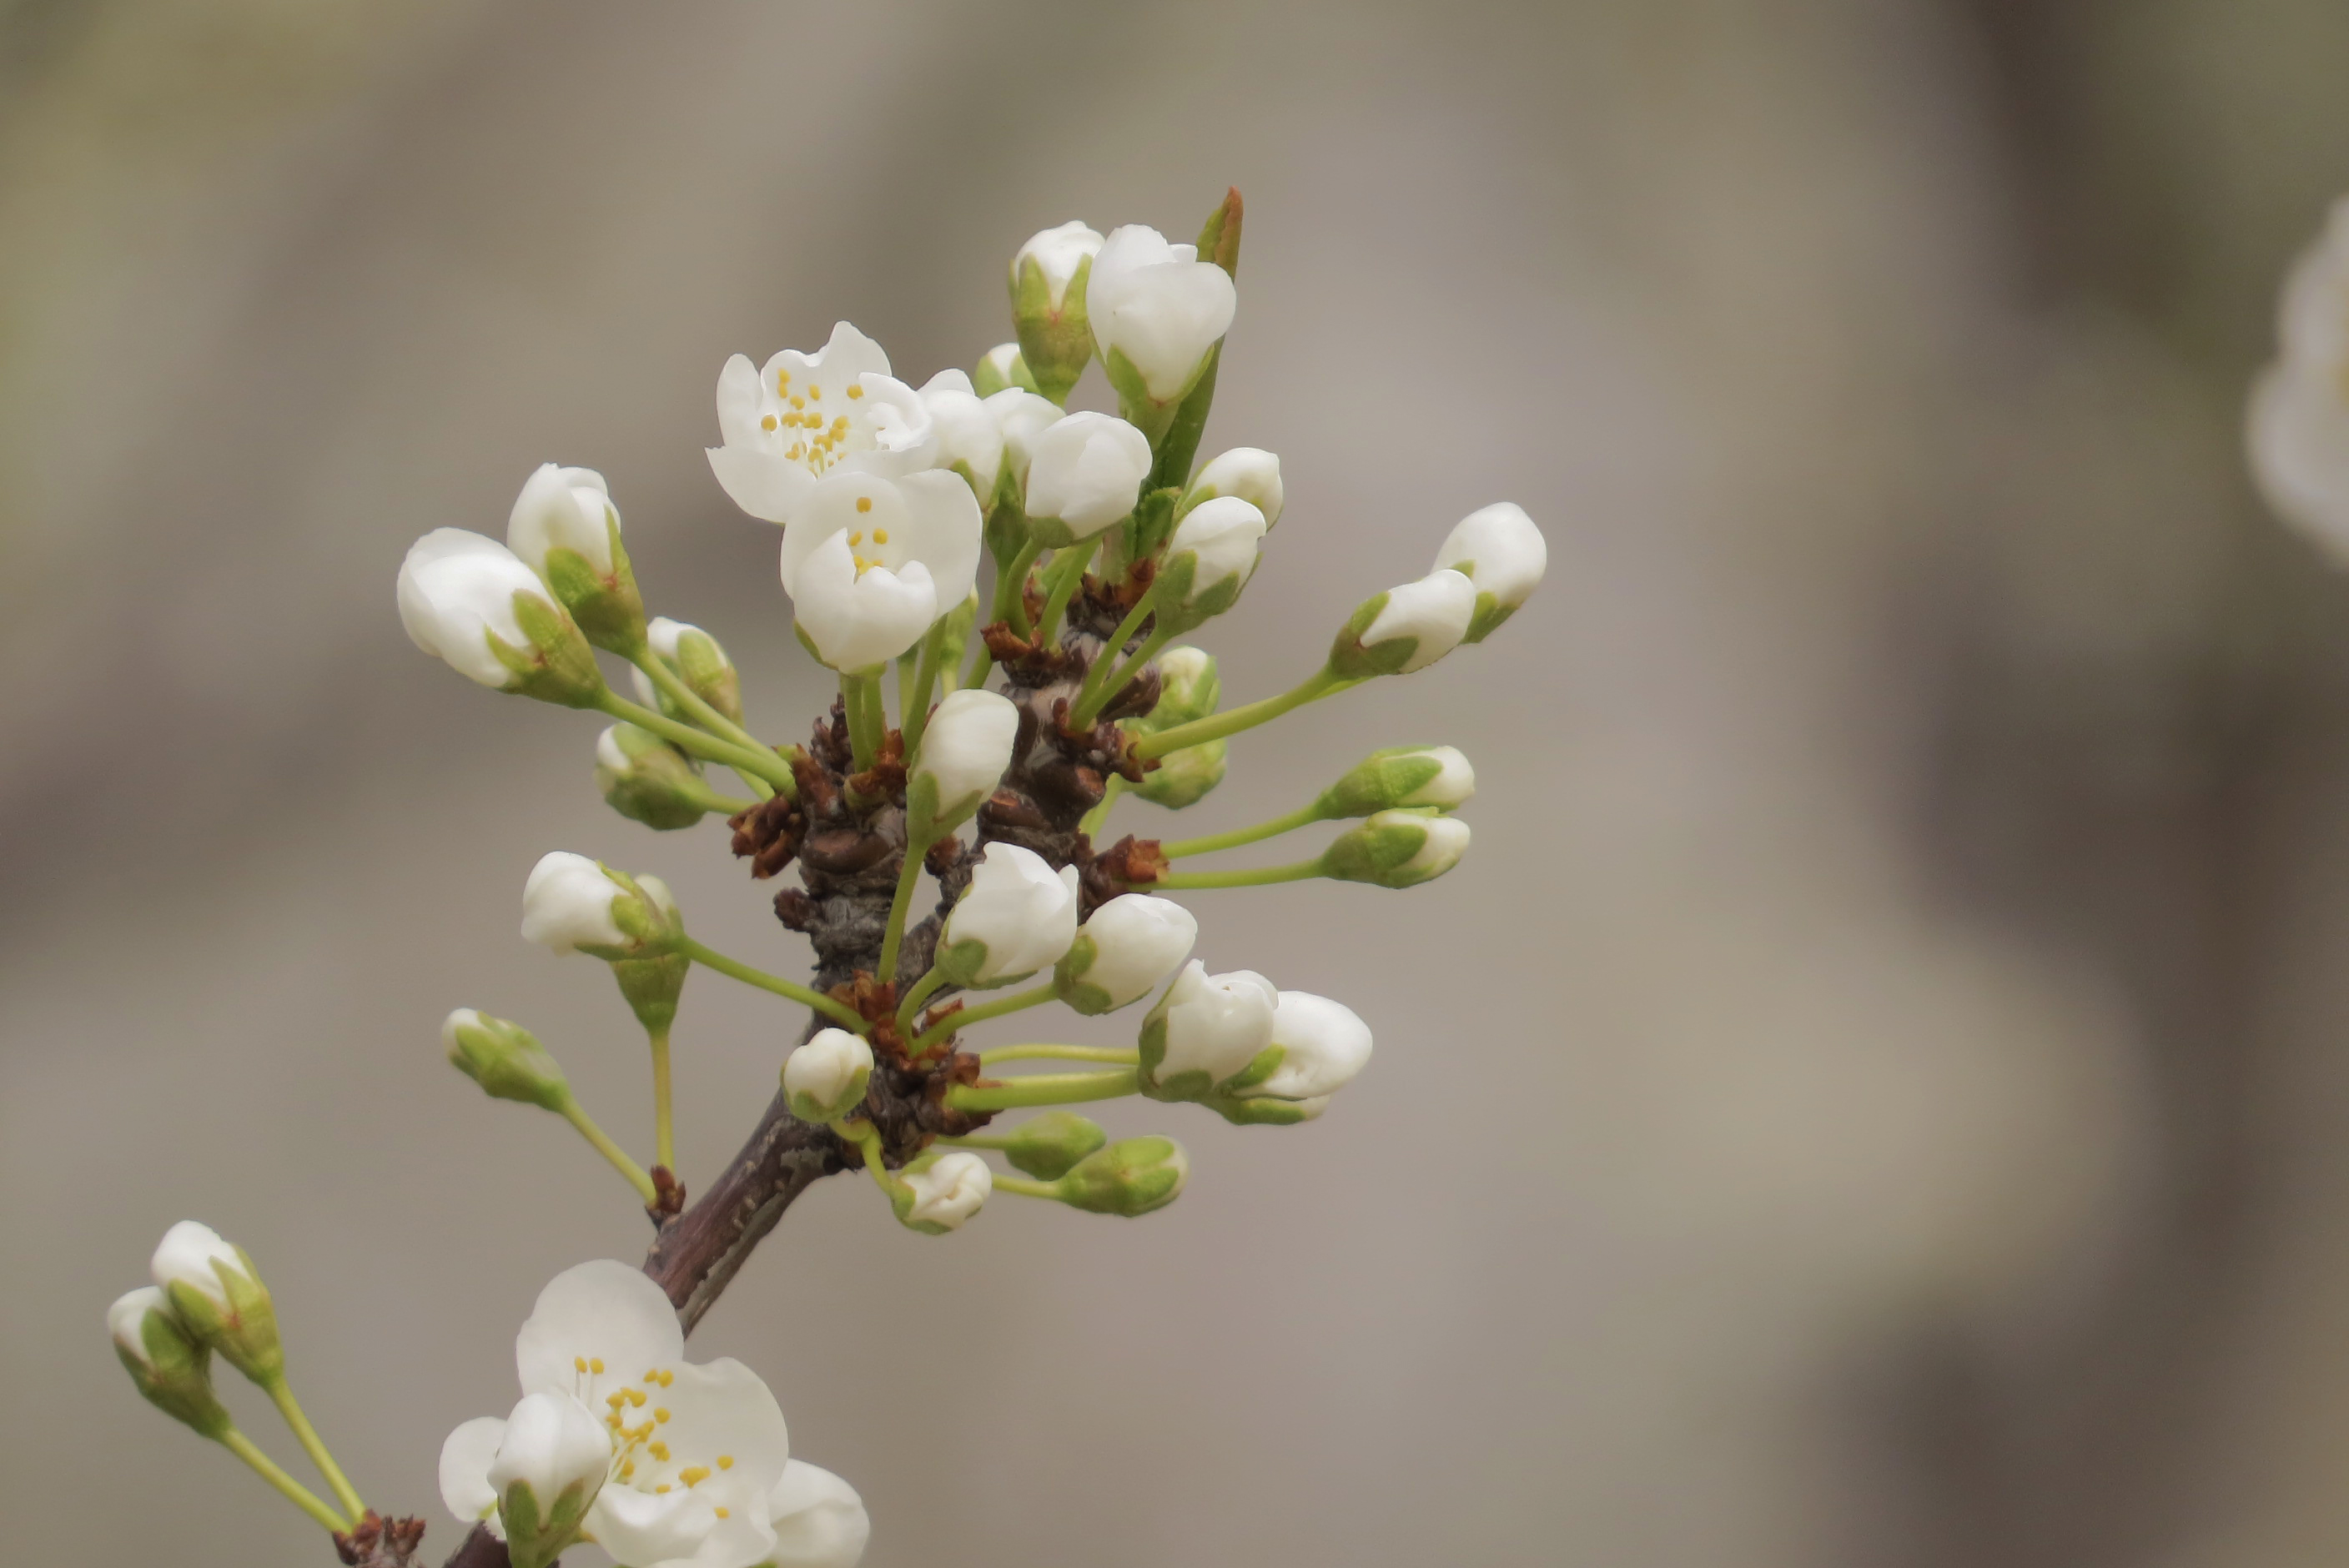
<point x="1085" y="470"/>
<point x="563" y="508"/>
<point x="1432" y="615"/>
<point x="1499" y="549"/>
<point x="1250" y="473"/>
<point x="126" y="1320"/>
<point x="1159" y="309"/>
<point x="1022" y="417"/>
<point x="456" y="591"/>
<point x="1130" y="945"/>
<point x="964" y="751"/>
<point x="566" y="904"/>
<point x="1210" y="1024"/>
<point x="186" y="1257"/>
<point x="946" y="1192"/>
<point x="1210" y="559"/>
<point x="554" y="1450"/>
<point x="968" y="436"/>
<point x="999" y="367"/>
<point x="826" y="1077"/>
<point x="1018" y="917"/>
<point x="1323" y="1046"/>
<point x="1057" y="253"/>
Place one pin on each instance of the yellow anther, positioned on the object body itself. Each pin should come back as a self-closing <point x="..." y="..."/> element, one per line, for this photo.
<point x="768" y="424"/>
<point x="880" y="536"/>
<point x="667" y="1377"/>
<point x="629" y="1470"/>
<point x="722" y="1512"/>
<point x="659" y="1451"/>
<point x="801" y="402"/>
<point x="855" y="392"/>
<point x="783" y="380"/>
<point x="651" y="1373"/>
<point x="579" y="1364"/>
<point x="815" y="390"/>
<point x="864" y="503"/>
<point x="617" y="1400"/>
<point x="662" y="1488"/>
<point x="660" y="1416"/>
<point x="855" y="539"/>
<point x="694" y="1475"/>
<point x="596" y="1366"/>
<point x="635" y="1397"/>
<point x="725" y="1461"/>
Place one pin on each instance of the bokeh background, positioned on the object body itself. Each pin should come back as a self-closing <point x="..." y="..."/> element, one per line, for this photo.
<point x="1875" y="1094"/>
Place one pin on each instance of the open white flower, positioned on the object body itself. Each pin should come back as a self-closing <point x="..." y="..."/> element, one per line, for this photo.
<point x="946" y="1192"/>
<point x="808" y="415"/>
<point x="1084" y="472"/>
<point x="2299" y="418"/>
<point x="1018" y="917"/>
<point x="1156" y="309"/>
<point x="1210" y="1024"/>
<point x="971" y="441"/>
<point x="869" y="562"/>
<point x="457" y="592"/>
<point x="696" y="1453"/>
<point x="1131" y="944"/>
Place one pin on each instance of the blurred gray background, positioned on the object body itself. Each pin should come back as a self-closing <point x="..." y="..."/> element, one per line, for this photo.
<point x="1875" y="1093"/>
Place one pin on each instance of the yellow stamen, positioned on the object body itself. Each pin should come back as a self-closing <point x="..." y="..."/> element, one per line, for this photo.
<point x="661" y="1416"/>
<point x="667" y="1377"/>
<point x="579" y="1364"/>
<point x="723" y="1514"/>
<point x="768" y="424"/>
<point x="864" y="503"/>
<point x="855" y="392"/>
<point x="597" y="1366"/>
<point x="659" y="1451"/>
<point x="725" y="1461"/>
<point x="880" y="536"/>
<point x="815" y="390"/>
<point x="694" y="1475"/>
<point x="662" y="1488"/>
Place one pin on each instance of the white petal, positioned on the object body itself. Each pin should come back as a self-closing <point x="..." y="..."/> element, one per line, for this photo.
<point x="943" y="531"/>
<point x="765" y="484"/>
<point x="1499" y="549"/>
<point x="1325" y="1043"/>
<point x="725" y="1409"/>
<point x="465" y="1461"/>
<point x="601" y="1309"/>
<point x="818" y="1520"/>
<point x="857" y="621"/>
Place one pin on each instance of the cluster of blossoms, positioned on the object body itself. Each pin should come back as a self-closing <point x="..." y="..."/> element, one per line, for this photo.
<point x="2299" y="423"/>
<point x="1025" y="708"/>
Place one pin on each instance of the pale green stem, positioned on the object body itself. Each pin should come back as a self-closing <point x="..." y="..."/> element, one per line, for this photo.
<point x="664" y="1136"/>
<point x="711" y="958"/>
<point x="1115" y="649"/>
<point x="1012" y="589"/>
<point x="1260" y="876"/>
<point x="1034" y="996"/>
<point x="893" y="935"/>
<point x="867" y="720"/>
<point x="572" y="1111"/>
<point x="1065" y="577"/>
<point x="280" y="1394"/>
<point x="923" y="990"/>
<point x="710" y="800"/>
<point x="1094" y="819"/>
<point x="1024" y="1187"/>
<point x="1045" y="1088"/>
<point x="914" y="711"/>
<point x="1117" y="1055"/>
<point x="1303" y="816"/>
<point x="980" y="663"/>
<point x="672" y="685"/>
<point x="293" y="1490"/>
<point x="1083" y="715"/>
<point x="768" y="766"/>
<point x="868" y="1140"/>
<point x="1216" y="726"/>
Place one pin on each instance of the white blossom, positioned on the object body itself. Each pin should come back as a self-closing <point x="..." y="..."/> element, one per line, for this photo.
<point x="965" y="749"/>
<point x="566" y="904"/>
<point x="1250" y="473"/>
<point x="1323" y="1046"/>
<point x="818" y="1519"/>
<point x="1058" y="252"/>
<point x="126" y="1320"/>
<point x="2299" y="417"/>
<point x="870" y="563"/>
<point x="695" y="1452"/>
<point x="948" y="1192"/>
<point x="1158" y="307"/>
<point x="1446" y="841"/>
<point x="1022" y="417"/>
<point x="971" y="438"/>
<point x="1435" y="610"/>
<point x="190" y="1256"/>
<point x="804" y="416"/>
<point x="1130" y="944"/>
<point x="563" y="508"/>
<point x="1086" y="470"/>
<point x="457" y="592"/>
<point x="1018" y="917"/>
<point x="1215" y="1023"/>
<point x="825" y="1077"/>
<point x="1498" y="548"/>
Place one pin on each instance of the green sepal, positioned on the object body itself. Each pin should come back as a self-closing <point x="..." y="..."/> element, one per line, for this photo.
<point x="1219" y="241"/>
<point x="1373" y="854"/>
<point x="1351" y="660"/>
<point x="558" y="666"/>
<point x="535" y="1539"/>
<point x="658" y="785"/>
<point x="651" y="986"/>
<point x="986" y="381"/>
<point x="712" y="677"/>
<point x="1067" y="976"/>
<point x="809" y="1110"/>
<point x="1491" y="613"/>
<point x="1048" y="1146"/>
<point x="1184" y="777"/>
<point x="608" y="610"/>
<point x="1153" y="417"/>
<point x="650" y="928"/>
<point x="1130" y="1178"/>
<point x="1261" y="1111"/>
<point x="245" y="1334"/>
<point x="1054" y="346"/>
<point x="509" y="1063"/>
<point x="1174" y="607"/>
<point x="1266" y="1063"/>
<point x="1142" y="535"/>
<point x="178" y="1380"/>
<point x="959" y="961"/>
<point x="1380" y="782"/>
<point x="1007" y="524"/>
<point x="1151" y="1045"/>
<point x="901" y="1194"/>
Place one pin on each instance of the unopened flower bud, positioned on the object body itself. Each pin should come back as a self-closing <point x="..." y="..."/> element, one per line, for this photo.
<point x="550" y="1464"/>
<point x="573" y="904"/>
<point x="1397" y="849"/>
<point x="1207" y="1030"/>
<point x="938" y="1196"/>
<point x="1131" y="1177"/>
<point x="1156" y="312"/>
<point x="1499" y="550"/>
<point x="172" y="1370"/>
<point x="1184" y="777"/>
<point x="971" y="441"/>
<point x="647" y="780"/>
<point x="825" y="1079"/>
<point x="1018" y="917"/>
<point x="218" y="1297"/>
<point x="698" y="659"/>
<point x="652" y="985"/>
<point x="1208" y="562"/>
<point x="1406" y="628"/>
<point x="964" y="751"/>
<point x="998" y="368"/>
<point x="1084" y="472"/>
<point x="1188" y="688"/>
<point x="473" y="604"/>
<point x="1047" y="1146"/>
<point x="1401" y="776"/>
<point x="565" y="526"/>
<point x="1132" y="944"/>
<point x="1250" y="473"/>
<point x="1318" y="1047"/>
<point x="1048" y="306"/>
<point x="505" y="1058"/>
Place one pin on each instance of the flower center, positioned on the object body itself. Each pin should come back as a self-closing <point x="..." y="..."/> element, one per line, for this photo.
<point x="642" y="1459"/>
<point x="813" y="430"/>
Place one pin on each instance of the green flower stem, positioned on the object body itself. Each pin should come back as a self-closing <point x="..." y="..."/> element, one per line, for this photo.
<point x="293" y="1490"/>
<point x="1258" y="876"/>
<point x="1115" y="649"/>
<point x="923" y="990"/>
<point x="1094" y="819"/>
<point x="710" y="800"/>
<point x="1034" y="996"/>
<point x="1067" y="571"/>
<point x="1024" y="1187"/>
<point x="893" y="935"/>
<point x="280" y="1394"/>
<point x="914" y="711"/>
<point x="572" y="1111"/>
<point x="868" y="1140"/>
<point x="1304" y="816"/>
<point x="673" y="686"/>
<point x="1083" y="715"/>
<point x="1046" y="1088"/>
<point x="711" y="958"/>
<point x="980" y="663"/>
<point x="1216" y="726"/>
<point x="768" y="765"/>
<point x="1119" y="1056"/>
<point x="1012" y="589"/>
<point x="663" y="1135"/>
<point x="868" y="721"/>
